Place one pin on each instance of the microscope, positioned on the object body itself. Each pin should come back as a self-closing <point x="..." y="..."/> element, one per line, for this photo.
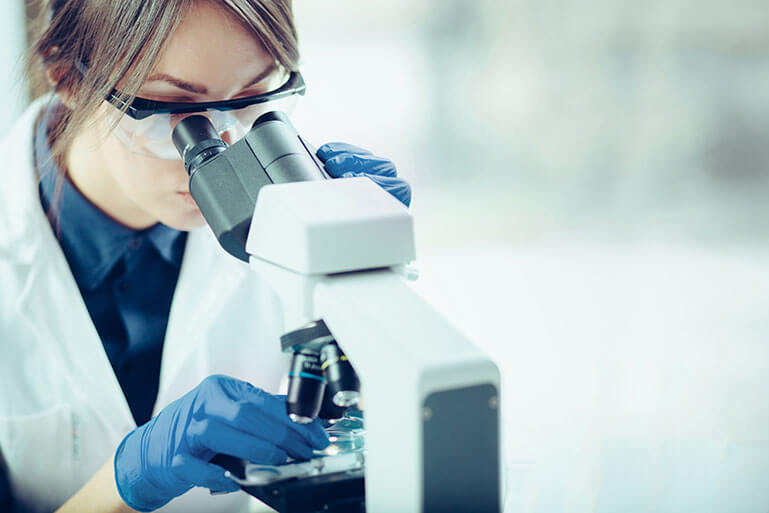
<point x="364" y="343"/>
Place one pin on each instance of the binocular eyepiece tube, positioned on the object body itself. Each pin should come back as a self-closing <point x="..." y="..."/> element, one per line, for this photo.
<point x="225" y="180"/>
<point x="322" y="382"/>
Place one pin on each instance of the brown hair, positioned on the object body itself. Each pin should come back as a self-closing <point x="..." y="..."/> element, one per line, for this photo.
<point x="88" y="46"/>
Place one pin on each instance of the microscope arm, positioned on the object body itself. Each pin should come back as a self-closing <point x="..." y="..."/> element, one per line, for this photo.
<point x="431" y="397"/>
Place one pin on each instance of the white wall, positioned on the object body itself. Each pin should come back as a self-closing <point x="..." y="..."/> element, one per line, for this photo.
<point x="591" y="183"/>
<point x="13" y="95"/>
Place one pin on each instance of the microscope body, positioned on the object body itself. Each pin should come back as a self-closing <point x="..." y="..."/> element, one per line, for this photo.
<point x="337" y="251"/>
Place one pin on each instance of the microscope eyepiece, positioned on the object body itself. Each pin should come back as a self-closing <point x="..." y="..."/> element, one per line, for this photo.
<point x="273" y="115"/>
<point x="197" y="141"/>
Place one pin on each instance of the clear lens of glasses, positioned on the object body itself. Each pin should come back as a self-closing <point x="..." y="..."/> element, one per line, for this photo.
<point x="151" y="136"/>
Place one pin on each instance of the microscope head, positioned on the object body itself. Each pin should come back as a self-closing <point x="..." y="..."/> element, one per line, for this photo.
<point x="225" y="181"/>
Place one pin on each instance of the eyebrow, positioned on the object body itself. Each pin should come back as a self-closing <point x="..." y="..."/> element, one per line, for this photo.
<point x="199" y="88"/>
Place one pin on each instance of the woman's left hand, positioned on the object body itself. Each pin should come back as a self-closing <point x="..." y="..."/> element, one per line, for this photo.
<point x="343" y="160"/>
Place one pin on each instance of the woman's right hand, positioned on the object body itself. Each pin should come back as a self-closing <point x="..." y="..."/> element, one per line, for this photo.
<point x="170" y="454"/>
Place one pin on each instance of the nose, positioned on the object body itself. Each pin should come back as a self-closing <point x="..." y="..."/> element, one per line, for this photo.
<point x="233" y="133"/>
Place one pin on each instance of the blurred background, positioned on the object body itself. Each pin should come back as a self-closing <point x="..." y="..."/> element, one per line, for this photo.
<point x="590" y="191"/>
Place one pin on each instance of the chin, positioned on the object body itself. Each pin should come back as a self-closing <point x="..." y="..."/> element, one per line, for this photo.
<point x="184" y="221"/>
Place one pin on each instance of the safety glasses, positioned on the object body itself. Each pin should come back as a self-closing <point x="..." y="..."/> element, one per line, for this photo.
<point x="147" y="124"/>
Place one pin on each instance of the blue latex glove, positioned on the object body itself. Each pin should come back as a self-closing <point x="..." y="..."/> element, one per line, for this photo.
<point x="343" y="160"/>
<point x="170" y="454"/>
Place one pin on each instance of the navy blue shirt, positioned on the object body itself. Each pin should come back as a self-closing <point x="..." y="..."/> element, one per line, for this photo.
<point x="126" y="277"/>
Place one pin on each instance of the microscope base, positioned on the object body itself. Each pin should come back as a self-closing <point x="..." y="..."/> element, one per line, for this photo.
<point x="333" y="493"/>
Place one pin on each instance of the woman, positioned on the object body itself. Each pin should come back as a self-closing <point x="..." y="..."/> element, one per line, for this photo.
<point x="133" y="347"/>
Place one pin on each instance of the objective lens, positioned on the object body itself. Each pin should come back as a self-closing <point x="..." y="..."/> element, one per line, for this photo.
<point x="346" y="397"/>
<point x="342" y="381"/>
<point x="299" y="419"/>
<point x="329" y="409"/>
<point x="306" y="386"/>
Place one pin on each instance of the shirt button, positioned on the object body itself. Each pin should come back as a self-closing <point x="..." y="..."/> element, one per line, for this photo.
<point x="135" y="243"/>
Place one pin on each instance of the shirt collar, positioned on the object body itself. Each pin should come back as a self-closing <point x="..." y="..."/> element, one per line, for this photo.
<point x="92" y="241"/>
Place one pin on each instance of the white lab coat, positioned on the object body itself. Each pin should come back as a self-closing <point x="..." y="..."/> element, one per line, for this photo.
<point x="62" y="411"/>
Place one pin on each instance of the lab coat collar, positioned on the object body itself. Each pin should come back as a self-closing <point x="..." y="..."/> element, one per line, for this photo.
<point x="166" y="240"/>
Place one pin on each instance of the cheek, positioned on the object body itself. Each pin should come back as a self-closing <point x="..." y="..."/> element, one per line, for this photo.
<point x="154" y="185"/>
<point x="146" y="179"/>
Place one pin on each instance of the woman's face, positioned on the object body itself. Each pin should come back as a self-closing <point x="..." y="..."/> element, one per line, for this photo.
<point x="210" y="57"/>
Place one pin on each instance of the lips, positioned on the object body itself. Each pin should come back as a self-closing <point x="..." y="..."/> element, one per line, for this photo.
<point x="187" y="197"/>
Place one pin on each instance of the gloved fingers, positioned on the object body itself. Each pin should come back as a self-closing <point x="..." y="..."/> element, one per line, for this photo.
<point x="260" y="403"/>
<point x="202" y="473"/>
<point x="271" y="418"/>
<point x="314" y="432"/>
<point x="255" y="411"/>
<point x="398" y="187"/>
<point x="297" y="440"/>
<point x="395" y="186"/>
<point x="318" y="435"/>
<point x="351" y="162"/>
<point x="233" y="388"/>
<point x="218" y="437"/>
<point x="332" y="149"/>
<point x="222" y="398"/>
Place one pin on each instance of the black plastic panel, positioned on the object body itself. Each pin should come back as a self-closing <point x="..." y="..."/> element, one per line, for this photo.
<point x="461" y="451"/>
